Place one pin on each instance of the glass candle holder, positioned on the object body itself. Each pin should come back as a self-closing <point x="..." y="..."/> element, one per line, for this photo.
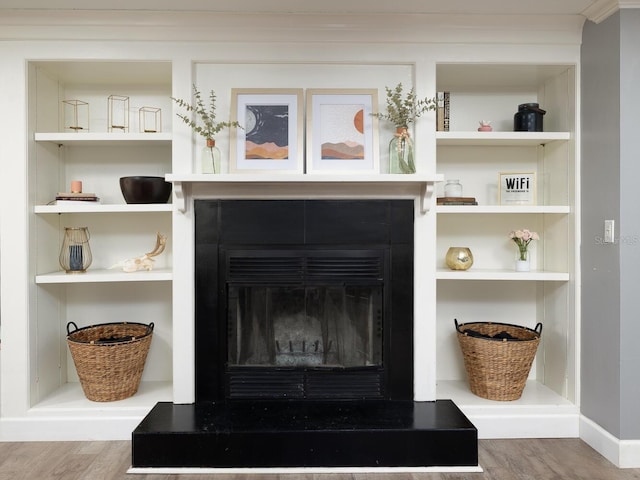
<point x="75" y="254"/>
<point x="118" y="113"/>
<point x="150" y="119"/>
<point x="453" y="188"/>
<point x="76" y="116"/>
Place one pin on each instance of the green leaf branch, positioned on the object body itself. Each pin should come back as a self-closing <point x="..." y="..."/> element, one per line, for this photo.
<point x="205" y="123"/>
<point x="402" y="110"/>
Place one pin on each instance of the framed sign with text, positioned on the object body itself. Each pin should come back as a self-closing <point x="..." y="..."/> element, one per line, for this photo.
<point x="517" y="188"/>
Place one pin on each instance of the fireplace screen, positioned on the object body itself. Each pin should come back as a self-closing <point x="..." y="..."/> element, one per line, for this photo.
<point x="305" y="326"/>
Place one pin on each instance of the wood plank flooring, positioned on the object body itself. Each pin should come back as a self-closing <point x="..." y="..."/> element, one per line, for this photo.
<point x="538" y="459"/>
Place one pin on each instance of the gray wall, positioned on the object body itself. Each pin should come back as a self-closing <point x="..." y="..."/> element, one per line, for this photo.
<point x="629" y="224"/>
<point x="610" y="364"/>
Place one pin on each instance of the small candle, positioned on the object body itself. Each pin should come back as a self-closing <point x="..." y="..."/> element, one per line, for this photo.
<point x="75" y="257"/>
<point x="76" y="186"/>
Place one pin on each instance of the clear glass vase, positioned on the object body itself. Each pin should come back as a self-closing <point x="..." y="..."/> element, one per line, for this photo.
<point x="210" y="158"/>
<point x="401" y="152"/>
<point x="522" y="261"/>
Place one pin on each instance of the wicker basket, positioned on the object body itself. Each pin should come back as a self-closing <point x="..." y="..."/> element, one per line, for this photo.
<point x="109" y="358"/>
<point x="497" y="368"/>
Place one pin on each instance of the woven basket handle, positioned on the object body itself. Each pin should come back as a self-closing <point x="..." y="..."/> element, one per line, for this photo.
<point x="455" y="320"/>
<point x="538" y="329"/>
<point x="150" y="327"/>
<point x="75" y="327"/>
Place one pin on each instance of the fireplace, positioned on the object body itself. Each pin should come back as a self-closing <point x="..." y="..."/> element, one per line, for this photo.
<point x="304" y="345"/>
<point x="304" y="299"/>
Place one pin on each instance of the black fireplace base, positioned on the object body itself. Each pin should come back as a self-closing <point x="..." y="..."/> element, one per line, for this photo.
<point x="282" y="434"/>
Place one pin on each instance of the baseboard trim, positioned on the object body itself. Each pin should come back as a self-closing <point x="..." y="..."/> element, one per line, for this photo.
<point x="526" y="425"/>
<point x="622" y="453"/>
<point x="301" y="470"/>
<point x="72" y="429"/>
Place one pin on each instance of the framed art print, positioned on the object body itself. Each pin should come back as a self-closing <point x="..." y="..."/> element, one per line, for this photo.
<point x="517" y="188"/>
<point x="271" y="138"/>
<point x="342" y="134"/>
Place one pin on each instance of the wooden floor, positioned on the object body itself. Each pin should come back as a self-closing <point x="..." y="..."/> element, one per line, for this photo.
<point x="547" y="459"/>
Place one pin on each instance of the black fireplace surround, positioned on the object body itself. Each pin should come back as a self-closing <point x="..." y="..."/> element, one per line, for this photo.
<point x="304" y="299"/>
<point x="304" y="348"/>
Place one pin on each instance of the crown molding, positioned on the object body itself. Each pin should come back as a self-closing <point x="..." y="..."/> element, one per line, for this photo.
<point x="249" y="27"/>
<point x="602" y="9"/>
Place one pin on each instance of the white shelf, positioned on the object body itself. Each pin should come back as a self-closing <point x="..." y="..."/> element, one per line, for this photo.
<point x="562" y="209"/>
<point x="104" y="208"/>
<point x="105" y="276"/>
<point x="292" y="178"/>
<point x="103" y="138"/>
<point x="500" y="138"/>
<point x="534" y="395"/>
<point x="71" y="398"/>
<point x="539" y="412"/>
<point x="510" y="275"/>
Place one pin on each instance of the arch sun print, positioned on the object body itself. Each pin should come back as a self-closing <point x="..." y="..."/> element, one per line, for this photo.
<point x="342" y="131"/>
<point x="343" y="139"/>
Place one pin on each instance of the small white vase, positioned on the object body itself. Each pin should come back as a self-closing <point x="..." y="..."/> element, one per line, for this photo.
<point x="522" y="264"/>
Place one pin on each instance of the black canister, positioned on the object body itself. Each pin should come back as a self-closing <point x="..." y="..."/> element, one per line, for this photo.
<point x="528" y="118"/>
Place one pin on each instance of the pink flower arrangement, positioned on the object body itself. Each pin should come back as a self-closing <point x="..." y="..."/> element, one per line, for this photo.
<point x="522" y="239"/>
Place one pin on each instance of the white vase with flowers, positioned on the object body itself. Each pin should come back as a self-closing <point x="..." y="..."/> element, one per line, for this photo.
<point x="522" y="238"/>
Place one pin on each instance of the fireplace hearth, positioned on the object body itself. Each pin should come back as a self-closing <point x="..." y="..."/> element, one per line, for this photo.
<point x="304" y="345"/>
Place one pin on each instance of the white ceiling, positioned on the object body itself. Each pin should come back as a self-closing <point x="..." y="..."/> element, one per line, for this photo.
<point x="481" y="7"/>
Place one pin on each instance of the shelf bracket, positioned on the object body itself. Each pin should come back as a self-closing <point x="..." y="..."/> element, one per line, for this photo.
<point x="179" y="200"/>
<point x="426" y="194"/>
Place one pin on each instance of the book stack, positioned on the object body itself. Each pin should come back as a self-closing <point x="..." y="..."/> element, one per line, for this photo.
<point x="442" y="111"/>
<point x="457" y="201"/>
<point x="68" y="198"/>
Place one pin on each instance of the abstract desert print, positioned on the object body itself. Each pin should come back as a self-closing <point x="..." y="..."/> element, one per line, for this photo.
<point x="342" y="132"/>
<point x="267" y="128"/>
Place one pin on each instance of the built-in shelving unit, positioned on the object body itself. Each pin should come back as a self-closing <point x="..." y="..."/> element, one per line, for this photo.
<point x="41" y="391"/>
<point x="491" y="290"/>
<point x="118" y="230"/>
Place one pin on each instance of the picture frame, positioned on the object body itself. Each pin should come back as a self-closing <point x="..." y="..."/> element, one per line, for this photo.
<point x="271" y="137"/>
<point x="342" y="133"/>
<point x="517" y="188"/>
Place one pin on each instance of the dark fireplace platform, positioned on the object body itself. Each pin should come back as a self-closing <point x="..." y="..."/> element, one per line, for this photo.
<point x="289" y="433"/>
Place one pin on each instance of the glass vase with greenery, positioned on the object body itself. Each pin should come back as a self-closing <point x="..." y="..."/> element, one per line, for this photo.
<point x="402" y="110"/>
<point x="202" y="120"/>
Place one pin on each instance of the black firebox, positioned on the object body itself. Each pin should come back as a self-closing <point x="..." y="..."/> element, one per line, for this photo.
<point x="304" y="299"/>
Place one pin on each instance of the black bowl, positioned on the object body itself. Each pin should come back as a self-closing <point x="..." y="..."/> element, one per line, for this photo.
<point x="145" y="189"/>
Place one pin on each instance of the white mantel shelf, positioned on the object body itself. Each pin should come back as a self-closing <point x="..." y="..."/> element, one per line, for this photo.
<point x="380" y="185"/>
